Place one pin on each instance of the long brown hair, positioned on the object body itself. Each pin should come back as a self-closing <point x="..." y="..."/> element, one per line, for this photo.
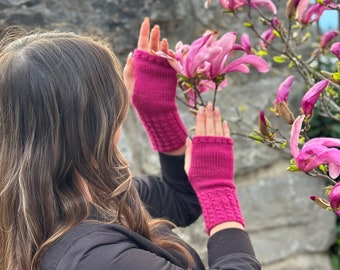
<point x="62" y="99"/>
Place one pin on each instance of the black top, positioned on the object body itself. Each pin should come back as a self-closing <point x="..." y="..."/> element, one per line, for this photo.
<point x="99" y="246"/>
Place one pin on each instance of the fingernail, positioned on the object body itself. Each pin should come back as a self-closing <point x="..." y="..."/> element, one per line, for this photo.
<point x="130" y="55"/>
<point x="200" y="109"/>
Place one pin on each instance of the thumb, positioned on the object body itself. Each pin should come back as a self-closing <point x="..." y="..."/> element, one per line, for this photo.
<point x="129" y="79"/>
<point x="187" y="160"/>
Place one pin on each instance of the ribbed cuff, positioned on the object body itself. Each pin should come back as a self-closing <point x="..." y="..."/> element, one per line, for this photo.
<point x="219" y="205"/>
<point x="165" y="131"/>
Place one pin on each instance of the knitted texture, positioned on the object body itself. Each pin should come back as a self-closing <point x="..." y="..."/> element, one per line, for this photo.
<point x="211" y="175"/>
<point x="154" y="100"/>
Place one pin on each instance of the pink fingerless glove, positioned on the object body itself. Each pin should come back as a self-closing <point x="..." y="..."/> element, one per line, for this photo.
<point x="154" y="100"/>
<point x="211" y="175"/>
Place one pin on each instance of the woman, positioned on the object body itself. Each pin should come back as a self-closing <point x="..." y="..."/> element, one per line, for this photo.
<point x="67" y="198"/>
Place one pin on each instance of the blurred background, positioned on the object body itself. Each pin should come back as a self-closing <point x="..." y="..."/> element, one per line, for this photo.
<point x="288" y="231"/>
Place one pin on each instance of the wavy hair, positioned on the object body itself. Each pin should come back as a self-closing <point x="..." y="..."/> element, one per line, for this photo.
<point x="62" y="99"/>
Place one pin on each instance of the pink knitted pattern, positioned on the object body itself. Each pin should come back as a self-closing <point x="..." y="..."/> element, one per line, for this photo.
<point x="154" y="100"/>
<point x="211" y="174"/>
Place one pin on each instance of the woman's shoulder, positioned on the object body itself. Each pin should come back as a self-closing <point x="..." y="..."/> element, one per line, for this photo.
<point x="95" y="245"/>
<point x="71" y="249"/>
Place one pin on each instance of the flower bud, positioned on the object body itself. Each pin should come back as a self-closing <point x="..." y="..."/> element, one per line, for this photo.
<point x="290" y="9"/>
<point x="334" y="198"/>
<point x="281" y="109"/>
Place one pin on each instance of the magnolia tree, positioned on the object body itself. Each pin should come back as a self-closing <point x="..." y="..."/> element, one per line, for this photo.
<point x="205" y="64"/>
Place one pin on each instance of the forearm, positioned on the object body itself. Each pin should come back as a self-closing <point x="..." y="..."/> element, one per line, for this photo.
<point x="171" y="195"/>
<point x="231" y="249"/>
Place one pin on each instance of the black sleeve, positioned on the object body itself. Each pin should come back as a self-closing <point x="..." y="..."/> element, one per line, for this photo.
<point x="231" y="249"/>
<point x="171" y="195"/>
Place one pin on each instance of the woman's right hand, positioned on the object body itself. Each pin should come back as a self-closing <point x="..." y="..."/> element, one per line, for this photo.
<point x="148" y="41"/>
<point x="209" y="163"/>
<point x="208" y="123"/>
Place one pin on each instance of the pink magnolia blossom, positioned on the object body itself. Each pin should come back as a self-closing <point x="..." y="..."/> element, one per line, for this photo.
<point x="311" y="97"/>
<point x="315" y="152"/>
<point x="335" y="49"/>
<point x="283" y="91"/>
<point x="334" y="198"/>
<point x="312" y="14"/>
<point x="233" y="5"/>
<point x="266" y="38"/>
<point x="264" y="125"/>
<point x="207" y="58"/>
<point x="246" y="44"/>
<point x="327" y="38"/>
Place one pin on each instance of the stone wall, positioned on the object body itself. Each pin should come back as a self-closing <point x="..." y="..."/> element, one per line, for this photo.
<point x="288" y="231"/>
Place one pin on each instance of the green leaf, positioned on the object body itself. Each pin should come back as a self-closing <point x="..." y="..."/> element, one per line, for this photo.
<point x="306" y="36"/>
<point x="243" y="108"/>
<point x="292" y="168"/>
<point x="262" y="53"/>
<point x="284" y="145"/>
<point x="336" y="76"/>
<point x="255" y="137"/>
<point x="328" y="190"/>
<point x="323" y="168"/>
<point x="248" y="24"/>
<point x="276" y="33"/>
<point x="279" y="59"/>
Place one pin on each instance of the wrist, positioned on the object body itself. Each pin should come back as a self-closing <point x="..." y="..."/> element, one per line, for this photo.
<point x="220" y="205"/>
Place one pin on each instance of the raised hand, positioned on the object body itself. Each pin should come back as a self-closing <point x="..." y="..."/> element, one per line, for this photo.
<point x="208" y="123"/>
<point x="152" y="83"/>
<point x="148" y="41"/>
<point x="209" y="163"/>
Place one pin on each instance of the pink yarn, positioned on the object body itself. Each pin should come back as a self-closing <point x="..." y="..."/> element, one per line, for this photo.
<point x="154" y="100"/>
<point x="211" y="174"/>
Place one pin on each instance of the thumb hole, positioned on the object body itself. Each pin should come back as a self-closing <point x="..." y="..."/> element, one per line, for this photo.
<point x="187" y="160"/>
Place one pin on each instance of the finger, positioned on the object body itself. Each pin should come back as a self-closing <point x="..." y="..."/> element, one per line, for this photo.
<point x="143" y="40"/>
<point x="164" y="47"/>
<point x="129" y="79"/>
<point x="209" y="120"/>
<point x="226" y="130"/>
<point x="200" y="125"/>
<point x="154" y="39"/>
<point x="218" y="122"/>
<point x="187" y="159"/>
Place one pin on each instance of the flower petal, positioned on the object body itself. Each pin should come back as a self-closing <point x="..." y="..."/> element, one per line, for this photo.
<point x="310" y="98"/>
<point x="283" y="91"/>
<point x="260" y="64"/>
<point x="295" y="135"/>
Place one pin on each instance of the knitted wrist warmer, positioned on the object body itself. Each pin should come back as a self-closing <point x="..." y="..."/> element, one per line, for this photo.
<point x="154" y="100"/>
<point x="211" y="175"/>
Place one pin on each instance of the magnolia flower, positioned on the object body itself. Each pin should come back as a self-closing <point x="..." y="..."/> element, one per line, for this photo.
<point x="206" y="58"/>
<point x="245" y="42"/>
<point x="334" y="198"/>
<point x="335" y="49"/>
<point x="312" y="14"/>
<point x="315" y="152"/>
<point x="264" y="125"/>
<point x="283" y="91"/>
<point x="233" y="5"/>
<point x="311" y="97"/>
<point x="266" y="38"/>
<point x="281" y="105"/>
<point x="327" y="38"/>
